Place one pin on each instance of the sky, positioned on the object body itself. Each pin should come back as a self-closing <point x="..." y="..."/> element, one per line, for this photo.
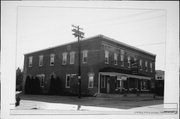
<point x="44" y="27"/>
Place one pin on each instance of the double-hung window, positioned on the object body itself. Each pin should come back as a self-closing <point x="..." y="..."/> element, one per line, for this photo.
<point x="52" y="59"/>
<point x="151" y="69"/>
<point x="106" y="57"/>
<point x="64" y="60"/>
<point x="146" y="66"/>
<point x="129" y="61"/>
<point x="30" y="61"/>
<point x="91" y="81"/>
<point x="41" y="78"/>
<point x="72" y="57"/>
<point x="140" y="64"/>
<point x="41" y="60"/>
<point x="115" y="59"/>
<point x="122" y="60"/>
<point x="85" y="55"/>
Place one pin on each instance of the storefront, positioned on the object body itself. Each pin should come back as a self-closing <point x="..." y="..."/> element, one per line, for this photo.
<point x="110" y="82"/>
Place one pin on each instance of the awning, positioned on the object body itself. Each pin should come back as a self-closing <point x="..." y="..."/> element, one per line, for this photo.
<point x="122" y="76"/>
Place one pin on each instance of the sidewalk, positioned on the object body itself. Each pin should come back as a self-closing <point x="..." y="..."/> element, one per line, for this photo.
<point x="41" y="102"/>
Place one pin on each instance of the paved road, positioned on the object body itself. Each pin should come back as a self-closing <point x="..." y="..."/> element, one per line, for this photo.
<point x="85" y="103"/>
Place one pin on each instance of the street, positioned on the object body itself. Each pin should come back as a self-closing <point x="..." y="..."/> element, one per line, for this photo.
<point x="70" y="103"/>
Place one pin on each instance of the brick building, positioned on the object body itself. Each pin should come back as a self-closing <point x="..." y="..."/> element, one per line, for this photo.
<point x="107" y="66"/>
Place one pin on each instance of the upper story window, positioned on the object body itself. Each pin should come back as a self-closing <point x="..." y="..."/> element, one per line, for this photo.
<point x="106" y="57"/>
<point x="115" y="58"/>
<point x="122" y="52"/>
<point x="151" y="68"/>
<point x="52" y="59"/>
<point x="64" y="60"/>
<point x="135" y="59"/>
<point x="122" y="60"/>
<point x="146" y="65"/>
<point x="129" y="61"/>
<point x="140" y="64"/>
<point x="85" y="55"/>
<point x="30" y="61"/>
<point x="72" y="57"/>
<point x="41" y="60"/>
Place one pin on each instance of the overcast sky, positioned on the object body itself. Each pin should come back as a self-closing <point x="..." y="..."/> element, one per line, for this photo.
<point x="43" y="27"/>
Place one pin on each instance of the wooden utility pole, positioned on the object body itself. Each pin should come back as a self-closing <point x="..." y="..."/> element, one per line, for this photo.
<point x="79" y="34"/>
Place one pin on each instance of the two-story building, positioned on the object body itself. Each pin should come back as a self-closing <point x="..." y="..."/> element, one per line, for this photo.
<point x="107" y="66"/>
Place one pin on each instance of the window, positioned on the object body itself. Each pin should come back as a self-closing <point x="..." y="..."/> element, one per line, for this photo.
<point x="140" y="64"/>
<point x="52" y="59"/>
<point x="30" y="61"/>
<point x="118" y="83"/>
<point x="115" y="59"/>
<point x="85" y="55"/>
<point x="144" y="85"/>
<point x="135" y="59"/>
<point x="64" y="61"/>
<point x="122" y="60"/>
<point x="129" y="61"/>
<point x="41" y="60"/>
<point x="41" y="77"/>
<point x="151" y="67"/>
<point x="122" y="52"/>
<point x="91" y="81"/>
<point x="68" y="78"/>
<point x="106" y="57"/>
<point x="103" y="83"/>
<point x="72" y="57"/>
<point x="146" y="65"/>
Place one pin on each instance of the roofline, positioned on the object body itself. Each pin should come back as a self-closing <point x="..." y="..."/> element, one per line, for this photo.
<point x="101" y="36"/>
<point x="138" y="49"/>
<point x="60" y="45"/>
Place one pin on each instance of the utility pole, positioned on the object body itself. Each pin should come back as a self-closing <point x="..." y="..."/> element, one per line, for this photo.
<point x="79" y="34"/>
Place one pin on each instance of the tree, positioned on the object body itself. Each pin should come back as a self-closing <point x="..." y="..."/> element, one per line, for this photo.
<point x="19" y="79"/>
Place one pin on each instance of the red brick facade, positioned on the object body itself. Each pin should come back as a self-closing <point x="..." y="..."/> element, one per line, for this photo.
<point x="95" y="68"/>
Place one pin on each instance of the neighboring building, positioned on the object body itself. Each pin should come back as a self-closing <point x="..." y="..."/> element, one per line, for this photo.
<point x="159" y="81"/>
<point x="107" y="65"/>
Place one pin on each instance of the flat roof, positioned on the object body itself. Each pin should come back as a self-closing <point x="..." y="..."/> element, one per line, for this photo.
<point x="100" y="36"/>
